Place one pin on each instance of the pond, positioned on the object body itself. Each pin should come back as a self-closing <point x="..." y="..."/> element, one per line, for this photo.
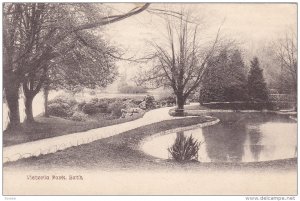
<point x="238" y="137"/>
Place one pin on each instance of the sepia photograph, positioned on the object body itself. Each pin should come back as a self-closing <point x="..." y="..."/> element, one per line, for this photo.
<point x="159" y="98"/>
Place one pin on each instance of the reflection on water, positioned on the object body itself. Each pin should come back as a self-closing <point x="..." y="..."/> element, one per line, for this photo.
<point x="239" y="137"/>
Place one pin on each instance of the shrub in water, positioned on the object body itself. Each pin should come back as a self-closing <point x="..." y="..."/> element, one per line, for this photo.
<point x="184" y="148"/>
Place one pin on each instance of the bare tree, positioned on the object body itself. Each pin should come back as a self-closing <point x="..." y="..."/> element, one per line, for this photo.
<point x="181" y="63"/>
<point x="286" y="53"/>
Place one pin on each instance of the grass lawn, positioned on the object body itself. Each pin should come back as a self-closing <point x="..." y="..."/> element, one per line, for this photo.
<point x="121" y="152"/>
<point x="55" y="126"/>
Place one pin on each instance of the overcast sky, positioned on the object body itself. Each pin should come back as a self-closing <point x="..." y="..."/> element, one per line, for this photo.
<point x="251" y="24"/>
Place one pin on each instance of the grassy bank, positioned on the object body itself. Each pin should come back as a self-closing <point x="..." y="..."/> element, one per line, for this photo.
<point x="121" y="152"/>
<point x="55" y="126"/>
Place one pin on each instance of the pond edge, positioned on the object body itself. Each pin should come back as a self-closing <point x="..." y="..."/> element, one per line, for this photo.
<point x="175" y="130"/>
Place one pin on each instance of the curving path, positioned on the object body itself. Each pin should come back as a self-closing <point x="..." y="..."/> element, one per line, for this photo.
<point x="52" y="145"/>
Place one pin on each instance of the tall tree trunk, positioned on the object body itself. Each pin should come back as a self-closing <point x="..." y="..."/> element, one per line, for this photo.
<point x="179" y="111"/>
<point x="180" y="102"/>
<point x="30" y="92"/>
<point x="28" y="107"/>
<point x="46" y="93"/>
<point x="12" y="98"/>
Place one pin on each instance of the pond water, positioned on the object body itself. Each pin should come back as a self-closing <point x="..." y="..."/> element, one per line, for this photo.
<point x="238" y="137"/>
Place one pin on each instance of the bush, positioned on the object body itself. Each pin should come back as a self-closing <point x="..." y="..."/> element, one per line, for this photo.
<point x="116" y="109"/>
<point x="78" y="116"/>
<point x="102" y="105"/>
<point x="62" y="106"/>
<point x="168" y="101"/>
<point x="195" y="96"/>
<point x="90" y="108"/>
<point x="130" y="104"/>
<point x="59" y="110"/>
<point x="94" y="100"/>
<point x="184" y="148"/>
<point x="149" y="102"/>
<point x="136" y="102"/>
<point x="80" y="105"/>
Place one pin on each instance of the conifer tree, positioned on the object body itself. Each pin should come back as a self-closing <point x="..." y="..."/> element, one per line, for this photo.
<point x="257" y="87"/>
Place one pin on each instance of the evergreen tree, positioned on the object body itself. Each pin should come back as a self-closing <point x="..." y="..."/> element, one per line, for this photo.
<point x="225" y="78"/>
<point x="257" y="87"/>
<point x="236" y="79"/>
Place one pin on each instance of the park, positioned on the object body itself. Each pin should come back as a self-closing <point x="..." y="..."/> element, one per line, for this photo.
<point x="184" y="96"/>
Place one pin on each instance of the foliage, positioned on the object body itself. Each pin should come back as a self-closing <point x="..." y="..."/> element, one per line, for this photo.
<point x="80" y="105"/>
<point x="257" y="87"/>
<point x="115" y="108"/>
<point x="149" y="102"/>
<point x="62" y="106"/>
<point x="39" y="38"/>
<point x="94" y="106"/>
<point x="90" y="108"/>
<point x="83" y="65"/>
<point x="225" y="78"/>
<point x="184" y="148"/>
<point x="168" y="101"/>
<point x="136" y="101"/>
<point x="78" y="116"/>
<point x="127" y="89"/>
<point x="59" y="109"/>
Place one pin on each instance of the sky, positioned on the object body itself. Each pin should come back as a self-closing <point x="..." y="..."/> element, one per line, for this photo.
<point x="253" y="25"/>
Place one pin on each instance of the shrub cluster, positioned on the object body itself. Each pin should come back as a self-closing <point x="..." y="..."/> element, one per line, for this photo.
<point x="68" y="107"/>
<point x="115" y="108"/>
<point x="62" y="106"/>
<point x="78" y="116"/>
<point x="168" y="101"/>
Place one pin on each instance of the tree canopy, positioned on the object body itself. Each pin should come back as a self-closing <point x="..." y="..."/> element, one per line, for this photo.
<point x="181" y="62"/>
<point x="225" y="79"/>
<point x="257" y="87"/>
<point x="35" y="35"/>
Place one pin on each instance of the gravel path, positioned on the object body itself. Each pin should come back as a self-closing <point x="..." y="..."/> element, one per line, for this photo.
<point x="52" y="145"/>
